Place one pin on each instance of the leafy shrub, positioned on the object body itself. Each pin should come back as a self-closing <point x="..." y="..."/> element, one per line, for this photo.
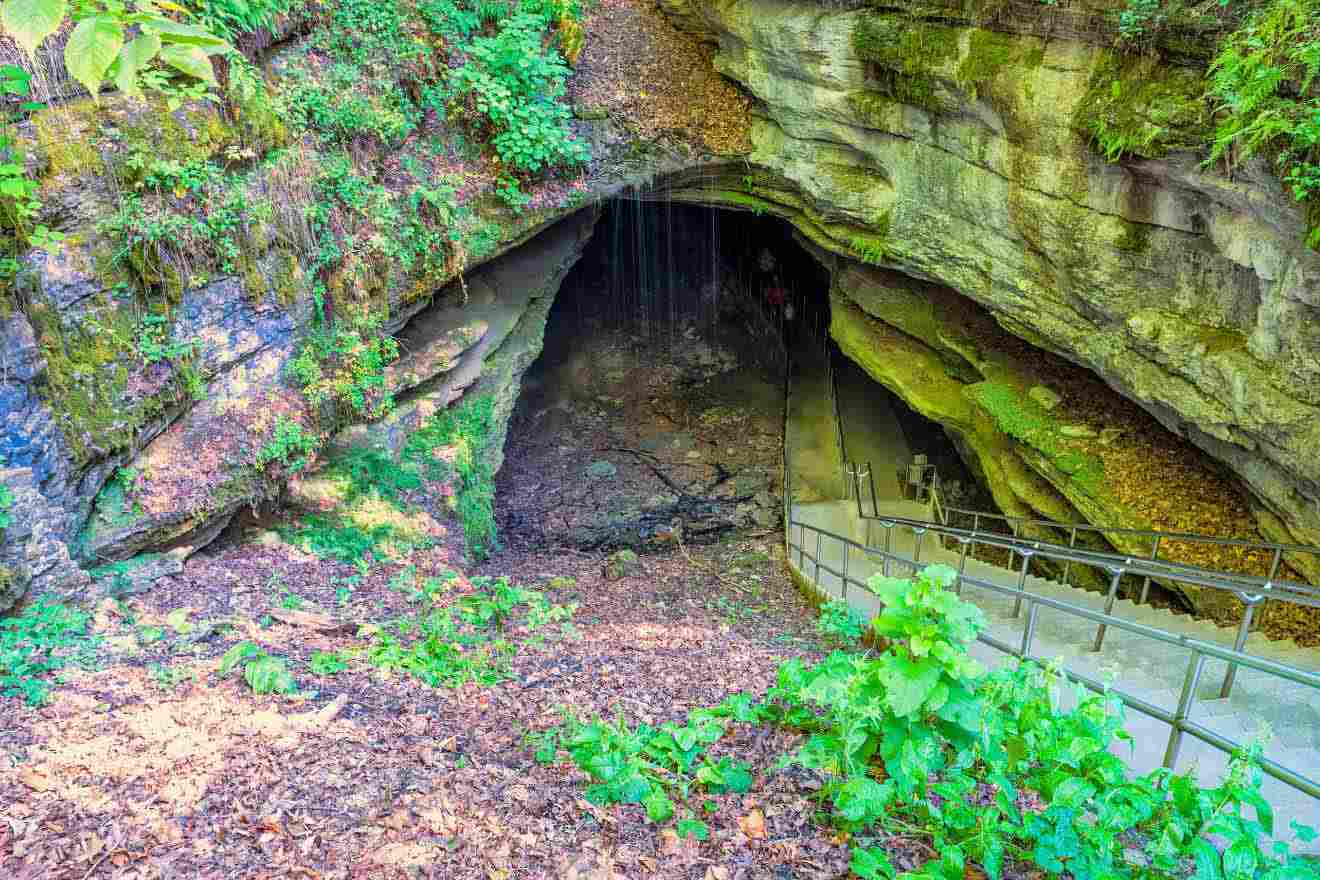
<point x="98" y="42"/>
<point x="234" y="18"/>
<point x="1139" y="17"/>
<point x="326" y="663"/>
<point x="448" y="647"/>
<point x="513" y="82"/>
<point x="1261" y="83"/>
<point x="840" y="623"/>
<point x="6" y="502"/>
<point x="291" y="445"/>
<point x="263" y="673"/>
<point x="940" y="727"/>
<point x="44" y="638"/>
<point x="646" y="765"/>
<point x="344" y="366"/>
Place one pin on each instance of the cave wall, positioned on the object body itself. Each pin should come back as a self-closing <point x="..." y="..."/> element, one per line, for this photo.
<point x="905" y="139"/>
<point x="962" y="155"/>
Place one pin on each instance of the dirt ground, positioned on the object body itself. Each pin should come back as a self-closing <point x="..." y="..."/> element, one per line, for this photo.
<point x="151" y="766"/>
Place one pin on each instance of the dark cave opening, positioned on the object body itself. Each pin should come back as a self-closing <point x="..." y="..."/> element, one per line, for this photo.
<point x="655" y="410"/>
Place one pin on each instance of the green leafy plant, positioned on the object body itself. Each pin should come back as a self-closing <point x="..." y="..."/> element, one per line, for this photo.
<point x="111" y="41"/>
<point x="326" y="663"/>
<point x="514" y="84"/>
<point x="234" y="18"/>
<point x="42" y="639"/>
<point x="652" y="765"/>
<point x="1261" y="82"/>
<point x="840" y="623"/>
<point x="449" y="647"/>
<point x="6" y="502"/>
<point x="263" y="673"/>
<point x="946" y="734"/>
<point x="291" y="445"/>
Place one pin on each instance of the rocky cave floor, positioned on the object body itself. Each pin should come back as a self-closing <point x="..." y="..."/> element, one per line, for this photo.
<point x="625" y="442"/>
<point x="148" y="764"/>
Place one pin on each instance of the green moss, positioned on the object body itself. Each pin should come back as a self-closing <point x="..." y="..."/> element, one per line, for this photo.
<point x="1140" y="106"/>
<point x="1135" y="238"/>
<point x="1221" y="339"/>
<point x="873" y="109"/>
<point x="988" y="53"/>
<point x="906" y="58"/>
<point x="1014" y="413"/>
<point x="1024" y="420"/>
<point x="87" y="370"/>
<point x="66" y="136"/>
<point x="853" y="178"/>
<point x="119" y="573"/>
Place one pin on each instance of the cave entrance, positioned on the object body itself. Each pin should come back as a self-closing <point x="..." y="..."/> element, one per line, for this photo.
<point x="655" y="412"/>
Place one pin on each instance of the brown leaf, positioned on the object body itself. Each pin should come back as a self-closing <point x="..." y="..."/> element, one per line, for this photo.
<point x="35" y="779"/>
<point x="753" y="824"/>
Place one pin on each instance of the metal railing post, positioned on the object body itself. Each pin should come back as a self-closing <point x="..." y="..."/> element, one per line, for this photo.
<point x="962" y="565"/>
<point x="889" y="535"/>
<point x="817" y="575"/>
<point x="870" y="477"/>
<point x="847" y="548"/>
<point x="1029" y="631"/>
<point x="1022" y="581"/>
<point x="1154" y="555"/>
<point x="1109" y="608"/>
<point x="916" y="553"/>
<point x="857" y="489"/>
<point x="1193" y="675"/>
<point x="1238" y="644"/>
<point x="1245" y="627"/>
<point x="1067" y="566"/>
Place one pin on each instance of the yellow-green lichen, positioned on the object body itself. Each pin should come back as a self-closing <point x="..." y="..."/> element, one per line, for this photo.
<point x="87" y="372"/>
<point x="1141" y="106"/>
<point x="1135" y="238"/>
<point x="906" y="58"/>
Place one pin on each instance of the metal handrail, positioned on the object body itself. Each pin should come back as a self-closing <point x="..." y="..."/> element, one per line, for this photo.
<point x="1248" y="588"/>
<point x="1179" y="720"/>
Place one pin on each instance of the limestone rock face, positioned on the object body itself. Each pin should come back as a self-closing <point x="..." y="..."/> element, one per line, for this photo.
<point x="961" y="155"/>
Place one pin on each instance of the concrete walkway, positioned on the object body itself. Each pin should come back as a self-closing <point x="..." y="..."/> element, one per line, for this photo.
<point x="1137" y="666"/>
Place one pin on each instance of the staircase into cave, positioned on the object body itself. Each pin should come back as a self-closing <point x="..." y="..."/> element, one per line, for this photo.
<point x="1193" y="690"/>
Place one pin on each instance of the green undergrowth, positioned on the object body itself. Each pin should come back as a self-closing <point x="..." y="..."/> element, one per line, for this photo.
<point x="35" y="644"/>
<point x="376" y="492"/>
<point x="1022" y="419"/>
<point x="653" y="766"/>
<point x="918" y="742"/>
<point x="466" y="429"/>
<point x="6" y="502"/>
<point x="466" y="642"/>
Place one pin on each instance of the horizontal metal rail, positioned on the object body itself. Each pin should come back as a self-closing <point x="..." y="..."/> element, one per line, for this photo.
<point x="1190" y="537"/>
<point x="1250" y="589"/>
<point x="1180" y="724"/>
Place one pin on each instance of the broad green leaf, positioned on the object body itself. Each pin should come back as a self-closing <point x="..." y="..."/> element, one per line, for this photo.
<point x="135" y="56"/>
<point x="183" y="34"/>
<point x="91" y="49"/>
<point x="692" y="828"/>
<point x="190" y="60"/>
<point x="1240" y="860"/>
<point x="909" y="685"/>
<point x="31" y="21"/>
<point x="659" y="808"/>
